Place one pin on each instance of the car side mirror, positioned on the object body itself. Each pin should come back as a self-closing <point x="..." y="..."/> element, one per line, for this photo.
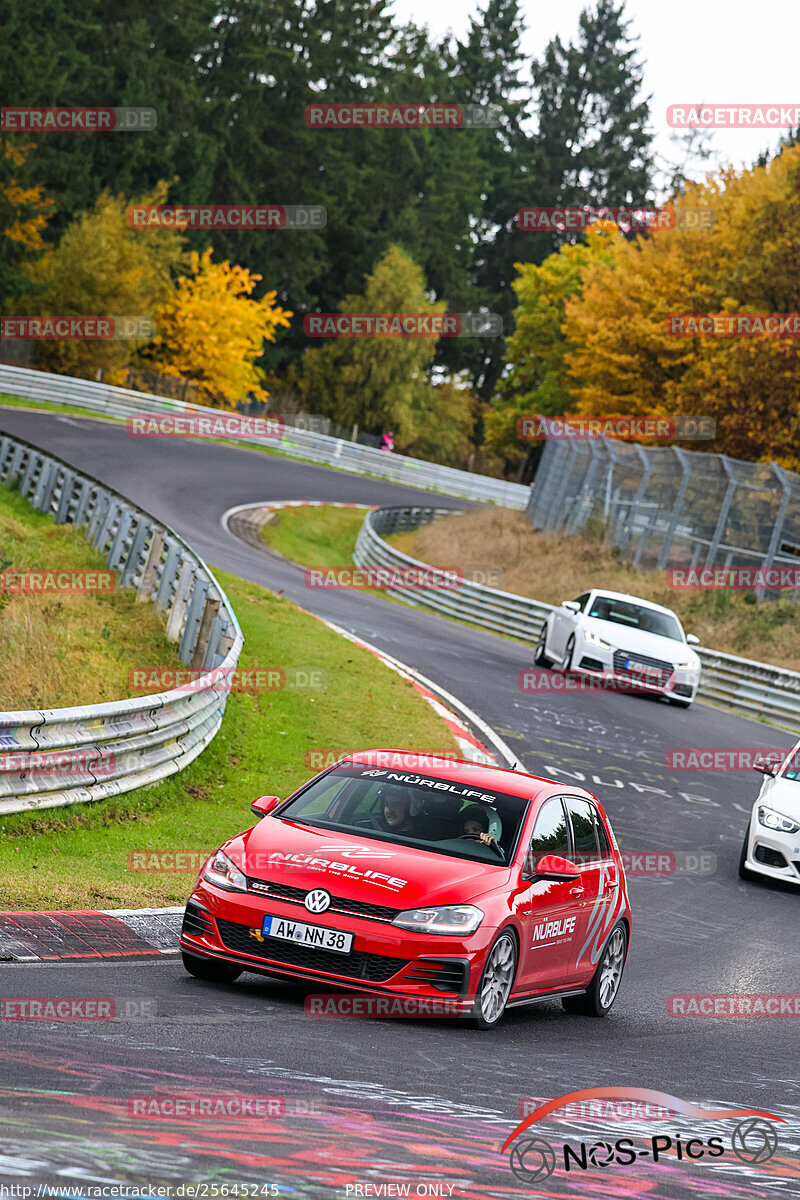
<point x="765" y="768"/>
<point x="554" y="867"/>
<point x="264" y="805"/>
<point x="571" y="605"/>
<point x="692" y="639"/>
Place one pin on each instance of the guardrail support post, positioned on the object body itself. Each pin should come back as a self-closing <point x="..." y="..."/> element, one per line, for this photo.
<point x="210" y="611"/>
<point x="180" y="602"/>
<point x="150" y="567"/>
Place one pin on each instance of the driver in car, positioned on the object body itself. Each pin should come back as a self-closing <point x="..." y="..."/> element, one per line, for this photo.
<point x="475" y="823"/>
<point x="395" y="810"/>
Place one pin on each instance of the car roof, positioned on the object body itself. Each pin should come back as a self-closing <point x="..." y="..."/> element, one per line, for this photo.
<point x="481" y="775"/>
<point x="635" y="599"/>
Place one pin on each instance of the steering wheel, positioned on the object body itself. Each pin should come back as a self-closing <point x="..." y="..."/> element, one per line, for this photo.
<point x="498" y="849"/>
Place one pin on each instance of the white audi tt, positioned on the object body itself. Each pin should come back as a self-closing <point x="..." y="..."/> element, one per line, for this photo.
<point x="772" y="842"/>
<point x="636" y="645"/>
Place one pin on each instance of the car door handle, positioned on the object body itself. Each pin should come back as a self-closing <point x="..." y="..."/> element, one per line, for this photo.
<point x="611" y="884"/>
<point x="576" y="891"/>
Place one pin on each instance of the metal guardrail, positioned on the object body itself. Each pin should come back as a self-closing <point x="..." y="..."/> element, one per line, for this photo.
<point x="752" y="689"/>
<point x="301" y="443"/>
<point x="50" y="758"/>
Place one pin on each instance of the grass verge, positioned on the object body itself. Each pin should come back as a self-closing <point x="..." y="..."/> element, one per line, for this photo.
<point x="79" y="856"/>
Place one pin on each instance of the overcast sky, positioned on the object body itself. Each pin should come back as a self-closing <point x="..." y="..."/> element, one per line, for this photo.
<point x="722" y="51"/>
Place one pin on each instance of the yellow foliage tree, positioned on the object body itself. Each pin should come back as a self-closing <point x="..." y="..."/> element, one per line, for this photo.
<point x="621" y="359"/>
<point x="102" y="267"/>
<point x="23" y="215"/>
<point x="211" y="331"/>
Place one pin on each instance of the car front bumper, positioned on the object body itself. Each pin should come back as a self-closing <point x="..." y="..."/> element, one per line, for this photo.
<point x="767" y="847"/>
<point x="384" y="959"/>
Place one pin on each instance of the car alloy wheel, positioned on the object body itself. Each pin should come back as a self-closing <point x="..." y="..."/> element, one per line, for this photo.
<point x="598" y="998"/>
<point x="540" y="653"/>
<point x="566" y="662"/>
<point x="497" y="979"/>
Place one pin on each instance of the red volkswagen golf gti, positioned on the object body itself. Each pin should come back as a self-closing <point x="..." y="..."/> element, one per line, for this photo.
<point x="474" y="885"/>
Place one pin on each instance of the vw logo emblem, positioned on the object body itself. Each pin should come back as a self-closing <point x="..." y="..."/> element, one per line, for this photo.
<point x="317" y="901"/>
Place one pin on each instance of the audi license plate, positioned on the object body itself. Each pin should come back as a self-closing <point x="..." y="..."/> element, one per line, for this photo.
<point x="640" y="668"/>
<point x="307" y="935"/>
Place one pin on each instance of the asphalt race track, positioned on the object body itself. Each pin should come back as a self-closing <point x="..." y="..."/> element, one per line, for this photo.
<point x="424" y="1102"/>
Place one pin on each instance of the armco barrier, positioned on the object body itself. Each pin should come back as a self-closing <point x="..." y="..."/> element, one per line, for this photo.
<point x="63" y="756"/>
<point x="302" y="443"/>
<point x="752" y="689"/>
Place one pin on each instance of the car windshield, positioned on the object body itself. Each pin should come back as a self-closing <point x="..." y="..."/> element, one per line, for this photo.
<point x="790" y="768"/>
<point x="635" y="616"/>
<point x="445" y="816"/>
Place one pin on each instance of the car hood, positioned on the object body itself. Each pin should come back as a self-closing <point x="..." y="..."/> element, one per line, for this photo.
<point x="360" y="868"/>
<point x="654" y="645"/>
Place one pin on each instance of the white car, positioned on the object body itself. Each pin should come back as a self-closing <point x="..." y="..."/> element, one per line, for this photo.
<point x="772" y="842"/>
<point x="633" y="643"/>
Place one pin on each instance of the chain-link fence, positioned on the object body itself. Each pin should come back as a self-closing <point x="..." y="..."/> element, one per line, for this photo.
<point x="667" y="507"/>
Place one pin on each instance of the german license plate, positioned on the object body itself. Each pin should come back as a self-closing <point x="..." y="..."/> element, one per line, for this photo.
<point x="307" y="935"/>
<point x="640" y="668"/>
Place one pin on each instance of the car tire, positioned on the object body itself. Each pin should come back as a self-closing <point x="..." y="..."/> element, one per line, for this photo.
<point x="601" y="993"/>
<point x="209" y="969"/>
<point x="496" y="982"/>
<point x="566" y="663"/>
<point x="539" y="655"/>
<point x="745" y="872"/>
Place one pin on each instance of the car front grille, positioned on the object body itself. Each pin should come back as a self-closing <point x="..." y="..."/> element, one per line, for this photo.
<point x="441" y="974"/>
<point x="294" y="895"/>
<point x="769" y="857"/>
<point x="658" y="676"/>
<point x="197" y="922"/>
<point x="376" y="968"/>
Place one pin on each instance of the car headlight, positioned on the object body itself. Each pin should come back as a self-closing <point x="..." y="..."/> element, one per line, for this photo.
<point x="225" y="874"/>
<point x="692" y="665"/>
<point x="450" y="918"/>
<point x="775" y="820"/>
<point x="594" y="639"/>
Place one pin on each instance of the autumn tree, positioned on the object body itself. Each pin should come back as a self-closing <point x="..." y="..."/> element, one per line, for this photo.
<point x="537" y="382"/>
<point x="102" y="267"/>
<point x="24" y="210"/>
<point x="377" y="383"/>
<point x="621" y="358"/>
<point x="211" y="331"/>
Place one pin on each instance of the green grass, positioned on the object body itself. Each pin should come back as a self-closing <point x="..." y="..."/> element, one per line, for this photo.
<point x="78" y="856"/>
<point x="321" y="536"/>
<point x="61" y="649"/>
<point x="51" y="406"/>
